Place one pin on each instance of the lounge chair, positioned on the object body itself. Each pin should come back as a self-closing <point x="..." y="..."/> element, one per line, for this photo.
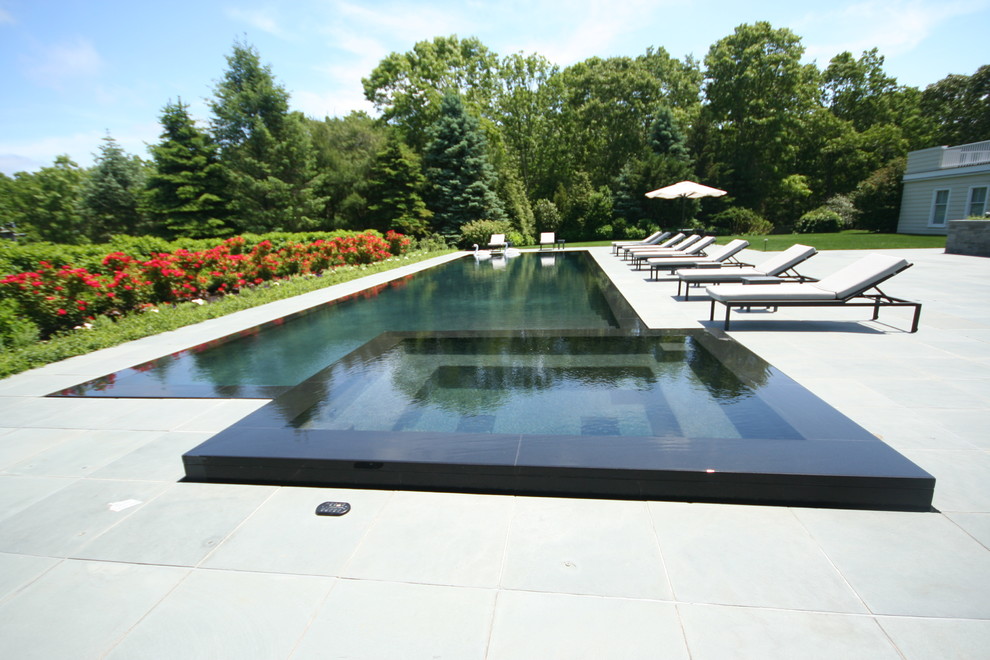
<point x="844" y="288"/>
<point x="652" y="239"/>
<point x="694" y="249"/>
<point x="718" y="257"/>
<point x="548" y="238"/>
<point x="497" y="243"/>
<point x="673" y="240"/>
<point x="780" y="265"/>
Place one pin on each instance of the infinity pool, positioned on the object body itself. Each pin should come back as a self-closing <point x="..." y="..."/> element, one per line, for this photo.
<point x="526" y="375"/>
<point x="551" y="291"/>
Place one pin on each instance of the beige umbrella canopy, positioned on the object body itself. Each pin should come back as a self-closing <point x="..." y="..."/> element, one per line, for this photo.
<point x="685" y="190"/>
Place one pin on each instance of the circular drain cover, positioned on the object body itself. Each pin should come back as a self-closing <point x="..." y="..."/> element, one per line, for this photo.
<point x="333" y="509"/>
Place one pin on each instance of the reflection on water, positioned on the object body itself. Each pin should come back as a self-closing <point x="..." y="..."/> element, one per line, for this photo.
<point x="520" y="293"/>
<point x="665" y="385"/>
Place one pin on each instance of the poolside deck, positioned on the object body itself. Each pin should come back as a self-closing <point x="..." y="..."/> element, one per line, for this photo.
<point x="104" y="554"/>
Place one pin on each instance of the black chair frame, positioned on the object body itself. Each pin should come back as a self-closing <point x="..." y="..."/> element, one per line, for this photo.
<point x="874" y="300"/>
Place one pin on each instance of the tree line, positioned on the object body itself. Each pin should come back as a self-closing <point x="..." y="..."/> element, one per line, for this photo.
<point x="470" y="141"/>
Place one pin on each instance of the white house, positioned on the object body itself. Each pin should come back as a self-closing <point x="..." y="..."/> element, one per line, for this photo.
<point x="942" y="184"/>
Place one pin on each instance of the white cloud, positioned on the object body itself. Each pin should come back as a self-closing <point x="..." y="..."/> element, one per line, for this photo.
<point x="259" y="19"/>
<point x="30" y="155"/>
<point x="337" y="103"/>
<point x="10" y="164"/>
<point x="585" y="29"/>
<point x="894" y="27"/>
<point x="33" y="154"/>
<point x="64" y="63"/>
<point x="397" y="22"/>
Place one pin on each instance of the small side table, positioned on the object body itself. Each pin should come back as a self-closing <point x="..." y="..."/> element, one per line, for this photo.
<point x="560" y="243"/>
<point x="761" y="279"/>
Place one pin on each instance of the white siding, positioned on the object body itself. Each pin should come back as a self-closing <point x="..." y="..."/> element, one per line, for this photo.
<point x="924" y="160"/>
<point x="916" y="201"/>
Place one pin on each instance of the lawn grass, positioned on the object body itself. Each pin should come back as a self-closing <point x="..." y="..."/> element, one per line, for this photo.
<point x="853" y="239"/>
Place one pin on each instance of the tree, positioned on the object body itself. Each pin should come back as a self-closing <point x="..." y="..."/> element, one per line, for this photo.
<point x="185" y="192"/>
<point x="112" y="192"/>
<point x="395" y="186"/>
<point x="407" y="88"/>
<point x="584" y="209"/>
<point x="526" y="102"/>
<point x="878" y="198"/>
<point x="759" y="95"/>
<point x="607" y="111"/>
<point x="517" y="206"/>
<point x="45" y="204"/>
<point x="346" y="147"/>
<point x="266" y="149"/>
<point x="666" y="139"/>
<point x="461" y="177"/>
<point x="858" y="90"/>
<point x="665" y="164"/>
<point x="960" y="106"/>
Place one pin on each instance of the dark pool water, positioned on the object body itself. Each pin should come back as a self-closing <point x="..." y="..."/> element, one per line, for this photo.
<point x="562" y="291"/>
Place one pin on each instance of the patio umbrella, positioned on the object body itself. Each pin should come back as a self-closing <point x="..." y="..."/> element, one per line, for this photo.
<point x="685" y="190"/>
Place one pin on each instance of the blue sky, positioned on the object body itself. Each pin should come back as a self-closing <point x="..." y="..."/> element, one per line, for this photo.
<point x="72" y="70"/>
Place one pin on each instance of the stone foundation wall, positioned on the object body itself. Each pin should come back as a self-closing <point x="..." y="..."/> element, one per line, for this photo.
<point x="970" y="237"/>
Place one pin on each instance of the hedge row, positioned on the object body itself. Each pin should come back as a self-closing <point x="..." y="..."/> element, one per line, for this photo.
<point x="106" y="332"/>
<point x="58" y="298"/>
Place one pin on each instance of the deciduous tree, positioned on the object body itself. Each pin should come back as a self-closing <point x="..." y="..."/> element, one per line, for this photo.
<point x="758" y="95"/>
<point x="45" y="204"/>
<point x="346" y="147"/>
<point x="407" y="88"/>
<point x="961" y="106"/>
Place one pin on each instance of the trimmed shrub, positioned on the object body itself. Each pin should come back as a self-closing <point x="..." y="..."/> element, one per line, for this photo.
<point x="819" y="221"/>
<point x="737" y="220"/>
<point x="480" y="231"/>
<point x="15" y="330"/>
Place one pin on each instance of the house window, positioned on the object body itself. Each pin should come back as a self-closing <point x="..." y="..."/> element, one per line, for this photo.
<point x="977" y="202"/>
<point x="940" y="208"/>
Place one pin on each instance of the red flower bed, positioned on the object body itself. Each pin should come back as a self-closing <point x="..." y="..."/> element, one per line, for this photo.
<point x="61" y="298"/>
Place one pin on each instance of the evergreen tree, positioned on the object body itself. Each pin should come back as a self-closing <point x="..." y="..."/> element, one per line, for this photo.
<point x="665" y="138"/>
<point x="266" y="149"/>
<point x="395" y="183"/>
<point x="667" y="163"/>
<point x="517" y="207"/>
<point x="111" y="195"/>
<point x="457" y="167"/>
<point x="639" y="177"/>
<point x="185" y="193"/>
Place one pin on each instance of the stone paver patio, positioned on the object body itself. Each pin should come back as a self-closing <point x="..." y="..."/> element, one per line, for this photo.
<point x="103" y="553"/>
